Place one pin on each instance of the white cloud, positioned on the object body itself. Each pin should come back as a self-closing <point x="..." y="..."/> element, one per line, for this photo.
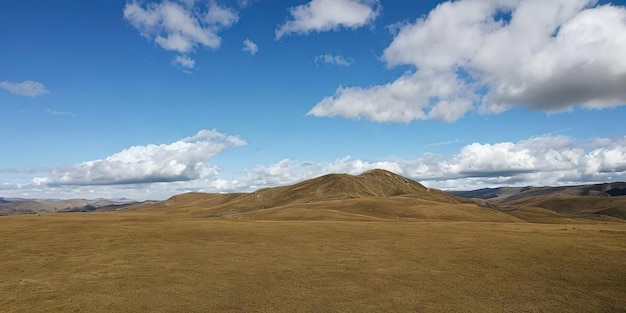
<point x="63" y="113"/>
<point x="184" y="62"/>
<point x="220" y="16"/>
<point x="245" y="3"/>
<point x="27" y="88"/>
<point x="157" y="172"/>
<point x="250" y="46"/>
<point x="550" y="55"/>
<point x="544" y="160"/>
<point x="326" y="15"/>
<point x="180" y="26"/>
<point x="40" y="181"/>
<point x="334" y="59"/>
<point x="442" y="143"/>
<point x="179" y="161"/>
<point x="290" y="171"/>
<point x="407" y="98"/>
<point x="538" y="161"/>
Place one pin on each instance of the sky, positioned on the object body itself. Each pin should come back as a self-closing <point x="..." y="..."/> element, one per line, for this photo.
<point x="145" y="99"/>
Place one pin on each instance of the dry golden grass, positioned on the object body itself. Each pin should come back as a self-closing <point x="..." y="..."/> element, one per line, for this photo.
<point x="381" y="209"/>
<point x="381" y="195"/>
<point x="377" y="185"/>
<point x="152" y="262"/>
<point x="406" y="208"/>
<point x="373" y="195"/>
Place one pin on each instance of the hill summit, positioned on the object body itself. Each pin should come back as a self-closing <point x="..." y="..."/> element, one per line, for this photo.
<point x="373" y="183"/>
<point x="373" y="195"/>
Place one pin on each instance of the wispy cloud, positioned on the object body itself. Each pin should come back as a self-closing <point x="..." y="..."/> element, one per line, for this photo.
<point x="63" y="113"/>
<point x="27" y="88"/>
<point x="443" y="143"/>
<point x="326" y="15"/>
<point x="250" y="46"/>
<point x="245" y="3"/>
<point x="334" y="60"/>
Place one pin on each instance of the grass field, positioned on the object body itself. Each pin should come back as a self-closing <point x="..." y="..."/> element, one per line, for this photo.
<point x="138" y="262"/>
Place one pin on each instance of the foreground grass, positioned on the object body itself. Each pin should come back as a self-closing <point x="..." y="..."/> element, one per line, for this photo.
<point x="117" y="262"/>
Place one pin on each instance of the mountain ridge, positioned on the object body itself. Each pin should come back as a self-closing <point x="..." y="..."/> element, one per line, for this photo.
<point x="511" y="193"/>
<point x="18" y="206"/>
<point x="373" y="195"/>
<point x="545" y="203"/>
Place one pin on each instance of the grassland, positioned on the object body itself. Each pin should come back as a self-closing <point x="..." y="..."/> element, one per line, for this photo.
<point x="149" y="262"/>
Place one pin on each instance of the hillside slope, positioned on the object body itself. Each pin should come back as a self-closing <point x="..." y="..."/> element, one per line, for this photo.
<point x="548" y="204"/>
<point x="508" y="194"/>
<point x="373" y="195"/>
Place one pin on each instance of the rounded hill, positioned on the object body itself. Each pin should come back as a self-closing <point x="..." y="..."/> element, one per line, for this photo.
<point x="373" y="195"/>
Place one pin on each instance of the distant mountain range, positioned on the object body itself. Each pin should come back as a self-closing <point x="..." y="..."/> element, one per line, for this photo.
<point x="373" y="195"/>
<point x="534" y="203"/>
<point x="14" y="206"/>
<point x="512" y="193"/>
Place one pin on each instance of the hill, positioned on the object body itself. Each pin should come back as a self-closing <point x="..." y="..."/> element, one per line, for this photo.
<point x="549" y="204"/>
<point x="427" y="251"/>
<point x="373" y="195"/>
<point x="507" y="194"/>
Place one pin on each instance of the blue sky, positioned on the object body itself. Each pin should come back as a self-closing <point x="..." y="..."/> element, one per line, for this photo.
<point x="147" y="99"/>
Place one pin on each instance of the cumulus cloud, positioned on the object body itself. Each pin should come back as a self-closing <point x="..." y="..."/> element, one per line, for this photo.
<point x="334" y="60"/>
<point x="250" y="46"/>
<point x="157" y="172"/>
<point x="181" y="26"/>
<point x="543" y="160"/>
<point x="291" y="171"/>
<point x="27" y="88"/>
<point x="538" y="161"/>
<point x="402" y="100"/>
<point x="182" y="160"/>
<point x="220" y="17"/>
<point x="326" y="15"/>
<point x="184" y="62"/>
<point x="466" y="55"/>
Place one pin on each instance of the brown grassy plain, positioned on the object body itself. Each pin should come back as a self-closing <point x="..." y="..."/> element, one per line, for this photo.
<point x="155" y="262"/>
